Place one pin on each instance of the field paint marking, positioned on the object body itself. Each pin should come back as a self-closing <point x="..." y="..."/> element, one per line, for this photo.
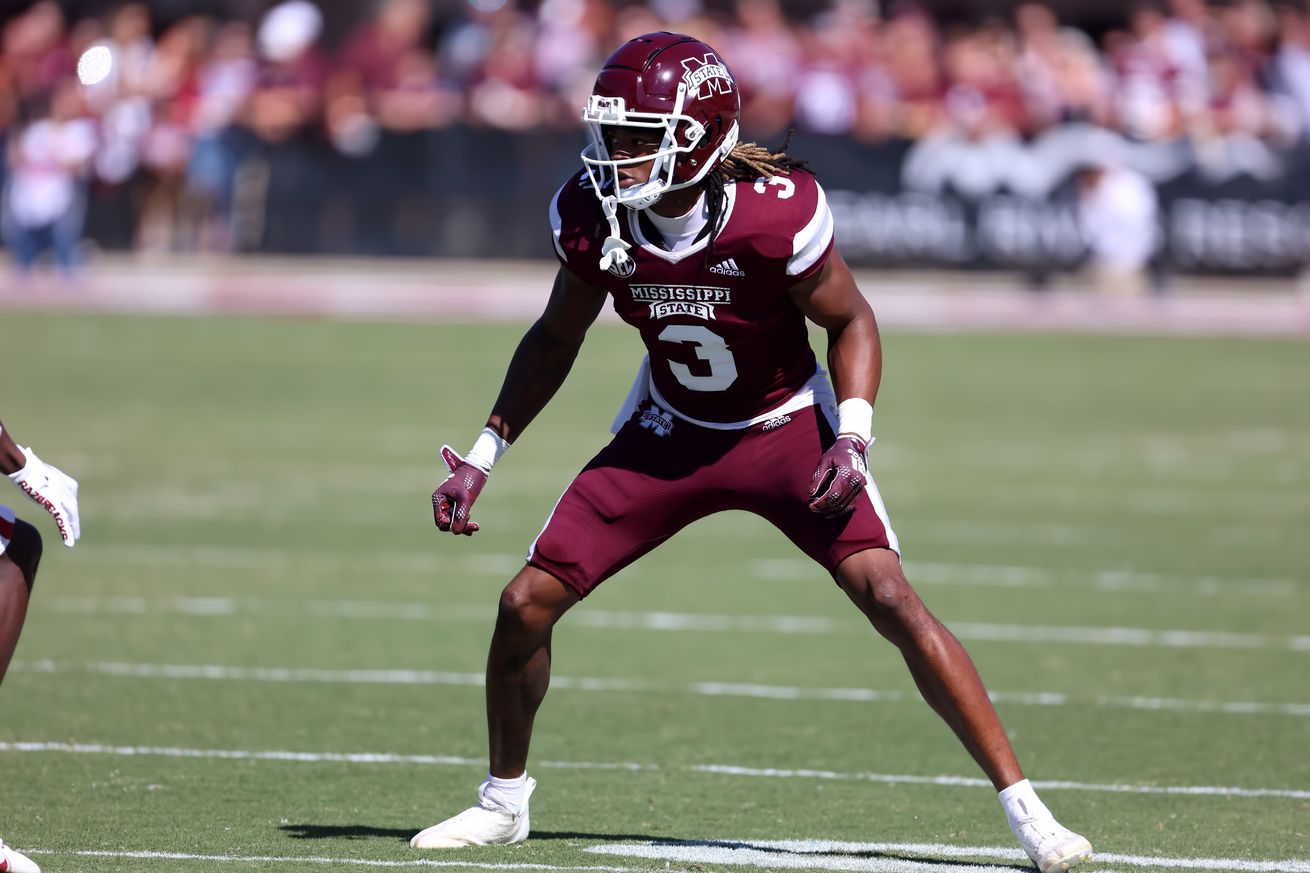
<point x="597" y="619"/>
<point x="974" y="782"/>
<point x="300" y="757"/>
<point x="353" y="862"/>
<point x="711" y="769"/>
<point x="793" y="854"/>
<point x="832" y="855"/>
<point x="1011" y="576"/>
<point x="505" y="564"/>
<point x="707" y="689"/>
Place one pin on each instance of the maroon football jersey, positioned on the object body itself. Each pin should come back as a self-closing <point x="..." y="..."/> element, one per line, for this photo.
<point x="726" y="341"/>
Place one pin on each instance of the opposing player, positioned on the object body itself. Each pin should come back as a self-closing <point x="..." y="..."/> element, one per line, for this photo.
<point x="20" y="554"/>
<point x="717" y="252"/>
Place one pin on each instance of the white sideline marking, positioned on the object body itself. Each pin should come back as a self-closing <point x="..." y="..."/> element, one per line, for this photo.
<point x="832" y="855"/>
<point x="700" y="622"/>
<point x="713" y="769"/>
<point x="576" y="683"/>
<point x="505" y="564"/>
<point x="311" y="859"/>
<point x="974" y="782"/>
<point x="792" y="854"/>
<point x="300" y="757"/>
<point x="1010" y="576"/>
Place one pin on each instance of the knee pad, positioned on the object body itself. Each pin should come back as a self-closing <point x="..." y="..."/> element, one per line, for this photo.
<point x="25" y="550"/>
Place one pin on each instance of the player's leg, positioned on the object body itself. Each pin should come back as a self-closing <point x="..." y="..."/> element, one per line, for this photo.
<point x="518" y="674"/>
<point x="633" y="496"/>
<point x="941" y="667"/>
<point x="20" y="554"/>
<point x="518" y="665"/>
<point x="949" y="682"/>
<point x="13" y="610"/>
<point x="860" y="550"/>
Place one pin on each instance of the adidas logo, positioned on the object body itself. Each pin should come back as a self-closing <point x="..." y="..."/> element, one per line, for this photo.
<point x="727" y="268"/>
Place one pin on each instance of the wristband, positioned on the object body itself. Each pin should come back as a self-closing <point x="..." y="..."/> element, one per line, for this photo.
<point x="487" y="449"/>
<point x="855" y="417"/>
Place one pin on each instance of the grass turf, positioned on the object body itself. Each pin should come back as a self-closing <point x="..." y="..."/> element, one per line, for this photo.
<point x="255" y="495"/>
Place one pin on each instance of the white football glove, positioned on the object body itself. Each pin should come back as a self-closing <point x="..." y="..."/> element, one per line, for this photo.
<point x="54" y="490"/>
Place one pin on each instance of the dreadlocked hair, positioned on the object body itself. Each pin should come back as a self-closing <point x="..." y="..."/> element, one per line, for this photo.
<point x="746" y="162"/>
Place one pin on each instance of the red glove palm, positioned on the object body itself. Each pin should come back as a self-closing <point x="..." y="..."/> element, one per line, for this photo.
<point x="453" y="500"/>
<point x="840" y="477"/>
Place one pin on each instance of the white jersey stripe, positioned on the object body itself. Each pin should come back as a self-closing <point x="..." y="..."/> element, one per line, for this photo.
<point x="555" y="223"/>
<point x="871" y="491"/>
<point x="813" y="239"/>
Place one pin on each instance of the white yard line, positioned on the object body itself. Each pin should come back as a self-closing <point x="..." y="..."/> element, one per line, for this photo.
<point x="710" y="769"/>
<point x="866" y="857"/>
<point x="341" y="862"/>
<point x="781" y="854"/>
<point x="505" y="564"/>
<point x="575" y="683"/>
<point x="599" y="619"/>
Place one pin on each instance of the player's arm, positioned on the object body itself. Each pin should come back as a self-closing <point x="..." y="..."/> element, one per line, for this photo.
<point x="48" y="486"/>
<point x="12" y="458"/>
<point x="831" y="300"/>
<point x="540" y="364"/>
<point x="545" y="355"/>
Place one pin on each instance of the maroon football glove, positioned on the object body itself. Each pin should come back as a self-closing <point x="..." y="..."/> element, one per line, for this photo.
<point x="453" y="499"/>
<point x="841" y="475"/>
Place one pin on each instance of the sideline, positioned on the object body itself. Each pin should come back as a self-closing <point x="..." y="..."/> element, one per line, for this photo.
<point x="515" y="291"/>
<point x="711" y="769"/>
<point x="217" y="672"/>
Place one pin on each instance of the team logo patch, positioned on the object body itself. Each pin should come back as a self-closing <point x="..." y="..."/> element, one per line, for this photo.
<point x="697" y="301"/>
<point x="706" y="76"/>
<point x="656" y="419"/>
<point x="623" y="269"/>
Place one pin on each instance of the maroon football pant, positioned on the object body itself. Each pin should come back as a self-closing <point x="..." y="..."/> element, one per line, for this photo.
<point x="643" y="488"/>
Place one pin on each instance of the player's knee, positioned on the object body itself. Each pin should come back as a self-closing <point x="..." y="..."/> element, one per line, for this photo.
<point x="25" y="550"/>
<point x="890" y="594"/>
<point x="521" y="610"/>
<point x="884" y="595"/>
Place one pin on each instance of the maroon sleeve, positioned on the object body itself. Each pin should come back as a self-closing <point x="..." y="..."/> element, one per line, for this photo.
<point x="577" y="229"/>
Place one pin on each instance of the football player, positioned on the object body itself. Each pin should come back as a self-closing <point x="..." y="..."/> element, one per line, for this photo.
<point x="20" y="554"/>
<point x="717" y="252"/>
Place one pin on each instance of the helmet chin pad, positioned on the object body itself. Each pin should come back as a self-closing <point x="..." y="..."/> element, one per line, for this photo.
<point x="646" y="196"/>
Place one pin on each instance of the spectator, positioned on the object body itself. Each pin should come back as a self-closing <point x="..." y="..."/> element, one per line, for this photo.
<point x="766" y="57"/>
<point x="289" y="85"/>
<point x="44" y="198"/>
<point x="224" y="82"/>
<point x="1117" y="212"/>
<point x="1292" y="63"/>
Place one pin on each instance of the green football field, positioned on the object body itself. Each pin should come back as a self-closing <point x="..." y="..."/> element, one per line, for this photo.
<point x="263" y="657"/>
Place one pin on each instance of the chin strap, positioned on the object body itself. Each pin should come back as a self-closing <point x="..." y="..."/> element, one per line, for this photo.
<point x="614" y="251"/>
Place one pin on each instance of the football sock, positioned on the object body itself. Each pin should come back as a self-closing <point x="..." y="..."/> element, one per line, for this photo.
<point x="508" y="793"/>
<point x="1021" y="803"/>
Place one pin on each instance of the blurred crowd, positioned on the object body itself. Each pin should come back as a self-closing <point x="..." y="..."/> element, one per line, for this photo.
<point x="180" y="102"/>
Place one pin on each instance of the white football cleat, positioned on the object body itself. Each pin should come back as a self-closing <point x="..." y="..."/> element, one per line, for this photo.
<point x="1052" y="846"/>
<point x="15" y="862"/>
<point x="487" y="824"/>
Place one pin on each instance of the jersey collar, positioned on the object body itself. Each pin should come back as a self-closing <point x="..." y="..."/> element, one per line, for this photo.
<point x="634" y="227"/>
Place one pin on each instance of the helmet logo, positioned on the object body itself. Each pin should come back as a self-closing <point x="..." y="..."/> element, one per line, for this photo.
<point x="706" y="76"/>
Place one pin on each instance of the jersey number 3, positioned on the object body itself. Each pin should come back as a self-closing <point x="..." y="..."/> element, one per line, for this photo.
<point x="710" y="350"/>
